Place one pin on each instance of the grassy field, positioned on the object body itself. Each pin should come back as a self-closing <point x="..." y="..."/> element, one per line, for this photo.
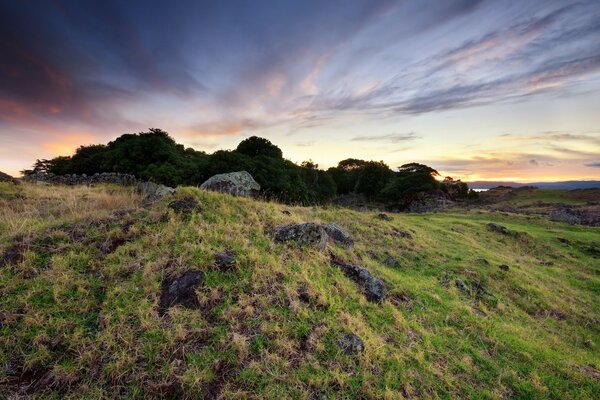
<point x="80" y="317"/>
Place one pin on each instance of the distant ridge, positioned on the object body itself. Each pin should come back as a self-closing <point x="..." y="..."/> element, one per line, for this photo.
<point x="566" y="185"/>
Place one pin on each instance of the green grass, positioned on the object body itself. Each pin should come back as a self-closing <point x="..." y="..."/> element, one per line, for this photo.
<point x="86" y="324"/>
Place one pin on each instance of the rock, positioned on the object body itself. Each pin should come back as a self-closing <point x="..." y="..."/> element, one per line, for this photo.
<point x="7" y="178"/>
<point x="351" y="344"/>
<point x="304" y="234"/>
<point x="504" y="267"/>
<point x="225" y="260"/>
<point x="153" y="192"/>
<point x="563" y="240"/>
<point x="498" y="228"/>
<point x="235" y="183"/>
<point x="185" y="205"/>
<point x="181" y="290"/>
<point x="460" y="285"/>
<point x="373" y="288"/>
<point x="339" y="235"/>
<point x="384" y="217"/>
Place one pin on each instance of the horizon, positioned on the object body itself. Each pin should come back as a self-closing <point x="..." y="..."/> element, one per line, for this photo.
<point x="479" y="90"/>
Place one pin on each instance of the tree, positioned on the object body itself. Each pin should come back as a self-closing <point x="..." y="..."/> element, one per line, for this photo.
<point x="256" y="146"/>
<point x="409" y="182"/>
<point x="456" y="189"/>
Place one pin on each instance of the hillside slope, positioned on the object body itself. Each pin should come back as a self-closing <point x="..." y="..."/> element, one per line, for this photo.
<point x="85" y="272"/>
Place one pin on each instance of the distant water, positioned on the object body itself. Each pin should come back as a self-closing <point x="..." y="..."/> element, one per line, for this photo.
<point x="481" y="190"/>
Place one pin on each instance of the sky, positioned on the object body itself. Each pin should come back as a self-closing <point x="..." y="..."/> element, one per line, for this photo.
<point x="482" y="89"/>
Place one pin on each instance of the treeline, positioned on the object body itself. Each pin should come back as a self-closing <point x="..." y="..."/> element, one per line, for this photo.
<point x="155" y="156"/>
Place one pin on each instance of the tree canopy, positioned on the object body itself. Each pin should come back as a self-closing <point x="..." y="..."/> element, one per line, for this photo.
<point x="155" y="156"/>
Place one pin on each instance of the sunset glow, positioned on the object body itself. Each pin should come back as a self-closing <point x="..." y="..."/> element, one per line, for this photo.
<point x="479" y="90"/>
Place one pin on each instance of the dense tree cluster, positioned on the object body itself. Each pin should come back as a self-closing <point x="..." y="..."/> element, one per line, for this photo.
<point x="155" y="156"/>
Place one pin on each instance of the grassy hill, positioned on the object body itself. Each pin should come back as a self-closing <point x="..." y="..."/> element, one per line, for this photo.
<point x="85" y="269"/>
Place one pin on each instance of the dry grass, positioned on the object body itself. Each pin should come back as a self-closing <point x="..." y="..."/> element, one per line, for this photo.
<point x="28" y="207"/>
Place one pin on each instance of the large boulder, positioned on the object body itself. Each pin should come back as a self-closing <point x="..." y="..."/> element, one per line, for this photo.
<point x="238" y="183"/>
<point x="7" y="178"/>
<point x="304" y="234"/>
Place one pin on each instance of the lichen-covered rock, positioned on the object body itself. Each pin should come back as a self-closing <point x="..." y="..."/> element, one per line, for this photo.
<point x="181" y="290"/>
<point x="304" y="234"/>
<point x="338" y="234"/>
<point x="225" y="260"/>
<point x="351" y="344"/>
<point x="238" y="183"/>
<point x="373" y="287"/>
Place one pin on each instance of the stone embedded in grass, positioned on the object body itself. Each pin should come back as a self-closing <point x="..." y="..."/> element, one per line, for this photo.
<point x="498" y="228"/>
<point x="504" y="267"/>
<point x="225" y="259"/>
<point x="351" y="344"/>
<point x="338" y="234"/>
<point x="153" y="192"/>
<point x="304" y="234"/>
<point x="185" y="205"/>
<point x="373" y="288"/>
<point x="181" y="290"/>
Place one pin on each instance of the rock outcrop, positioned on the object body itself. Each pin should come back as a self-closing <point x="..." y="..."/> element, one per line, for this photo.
<point x="238" y="183"/>
<point x="339" y="234"/>
<point x="304" y="234"/>
<point x="181" y="290"/>
<point x="312" y="234"/>
<point x="373" y="287"/>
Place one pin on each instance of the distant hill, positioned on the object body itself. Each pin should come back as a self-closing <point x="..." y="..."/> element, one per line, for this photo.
<point x="566" y="185"/>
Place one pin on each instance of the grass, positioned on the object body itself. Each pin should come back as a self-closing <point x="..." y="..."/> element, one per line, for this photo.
<point x="79" y="313"/>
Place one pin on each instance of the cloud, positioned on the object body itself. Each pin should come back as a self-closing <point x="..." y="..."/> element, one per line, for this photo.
<point x="593" y="164"/>
<point x="392" y="138"/>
